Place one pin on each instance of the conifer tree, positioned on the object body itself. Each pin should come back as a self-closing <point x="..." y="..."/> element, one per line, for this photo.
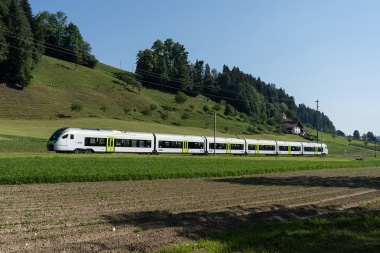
<point x="19" y="63"/>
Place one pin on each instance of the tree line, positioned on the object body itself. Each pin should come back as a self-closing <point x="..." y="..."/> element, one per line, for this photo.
<point x="165" y="66"/>
<point x="315" y="119"/>
<point x="25" y="37"/>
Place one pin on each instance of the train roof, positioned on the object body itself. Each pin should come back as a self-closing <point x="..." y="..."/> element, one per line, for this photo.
<point x="105" y="131"/>
<point x="180" y="136"/>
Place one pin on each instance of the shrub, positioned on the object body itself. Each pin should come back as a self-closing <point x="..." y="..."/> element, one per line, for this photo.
<point x="153" y="107"/>
<point x="104" y="108"/>
<point x="185" y="116"/>
<point x="168" y="108"/>
<point x="253" y="130"/>
<point x="146" y="112"/>
<point x="127" y="110"/>
<point x="206" y="109"/>
<point x="76" y="107"/>
<point x="165" y="116"/>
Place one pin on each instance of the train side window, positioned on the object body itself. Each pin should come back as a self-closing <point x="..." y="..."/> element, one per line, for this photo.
<point x="296" y="148"/>
<point x="251" y="146"/>
<point x="237" y="146"/>
<point x="195" y="145"/>
<point x="65" y="136"/>
<point x="71" y="136"/>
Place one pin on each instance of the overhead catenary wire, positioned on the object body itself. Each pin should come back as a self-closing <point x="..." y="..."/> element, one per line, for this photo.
<point x="39" y="42"/>
<point x="197" y="85"/>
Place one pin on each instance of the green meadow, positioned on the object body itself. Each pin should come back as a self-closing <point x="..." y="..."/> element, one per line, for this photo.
<point x="49" y="168"/>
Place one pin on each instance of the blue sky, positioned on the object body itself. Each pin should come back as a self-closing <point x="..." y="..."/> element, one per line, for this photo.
<point x="327" y="50"/>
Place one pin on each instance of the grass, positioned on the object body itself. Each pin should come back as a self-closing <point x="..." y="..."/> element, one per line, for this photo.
<point x="56" y="87"/>
<point x="356" y="230"/>
<point x="27" y="169"/>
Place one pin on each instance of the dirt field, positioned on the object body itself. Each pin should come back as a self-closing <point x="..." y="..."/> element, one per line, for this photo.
<point x="145" y="215"/>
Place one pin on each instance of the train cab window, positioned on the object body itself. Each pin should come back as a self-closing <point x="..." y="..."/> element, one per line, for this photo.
<point x="65" y="136"/>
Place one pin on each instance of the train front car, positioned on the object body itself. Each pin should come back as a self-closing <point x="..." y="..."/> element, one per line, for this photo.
<point x="54" y="142"/>
<point x="323" y="149"/>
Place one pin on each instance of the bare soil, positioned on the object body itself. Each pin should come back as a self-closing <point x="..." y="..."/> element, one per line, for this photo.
<point x="146" y="215"/>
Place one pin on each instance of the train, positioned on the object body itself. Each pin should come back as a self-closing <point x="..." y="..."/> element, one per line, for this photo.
<point x="93" y="140"/>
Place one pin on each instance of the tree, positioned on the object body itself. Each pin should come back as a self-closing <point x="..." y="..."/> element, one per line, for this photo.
<point x="180" y="98"/>
<point x="371" y="136"/>
<point x="229" y="110"/>
<point x="3" y="45"/>
<point x="63" y="41"/>
<point x="205" y="108"/>
<point x="216" y="107"/>
<point x="19" y="62"/>
<point x="198" y="76"/>
<point x="165" y="65"/>
<point x="131" y="80"/>
<point x="356" y="135"/>
<point x="364" y="137"/>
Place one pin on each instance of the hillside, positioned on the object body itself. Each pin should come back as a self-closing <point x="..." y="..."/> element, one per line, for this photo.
<point x="58" y="85"/>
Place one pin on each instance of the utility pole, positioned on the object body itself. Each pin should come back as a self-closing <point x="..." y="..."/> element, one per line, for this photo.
<point x="375" y="146"/>
<point x="214" y="132"/>
<point x="317" y="118"/>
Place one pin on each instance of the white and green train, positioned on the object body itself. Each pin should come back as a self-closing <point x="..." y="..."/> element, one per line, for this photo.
<point x="86" y="140"/>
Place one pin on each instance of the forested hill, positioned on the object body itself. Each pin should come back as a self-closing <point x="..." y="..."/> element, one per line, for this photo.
<point x="166" y="67"/>
<point x="25" y="37"/>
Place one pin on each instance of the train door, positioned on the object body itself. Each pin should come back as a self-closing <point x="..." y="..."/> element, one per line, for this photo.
<point x="110" y="146"/>
<point x="257" y="149"/>
<point x="316" y="150"/>
<point x="185" y="147"/>
<point x="228" y="148"/>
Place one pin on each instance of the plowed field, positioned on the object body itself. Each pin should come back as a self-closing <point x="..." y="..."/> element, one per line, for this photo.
<point x="145" y="215"/>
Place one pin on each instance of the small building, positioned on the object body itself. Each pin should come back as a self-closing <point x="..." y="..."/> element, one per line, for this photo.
<point x="294" y="127"/>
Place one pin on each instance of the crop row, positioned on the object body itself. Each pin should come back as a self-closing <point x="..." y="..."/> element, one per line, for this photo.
<point x="25" y="169"/>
